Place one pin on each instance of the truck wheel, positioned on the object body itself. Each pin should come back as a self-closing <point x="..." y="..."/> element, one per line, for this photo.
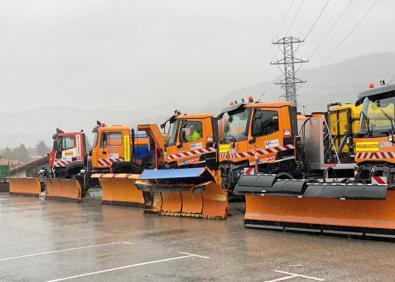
<point x="284" y="175"/>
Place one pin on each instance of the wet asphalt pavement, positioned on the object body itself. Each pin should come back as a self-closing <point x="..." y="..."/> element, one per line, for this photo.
<point x="65" y="241"/>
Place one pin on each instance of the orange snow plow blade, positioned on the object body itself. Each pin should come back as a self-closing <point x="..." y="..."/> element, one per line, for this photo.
<point x="26" y="186"/>
<point x="62" y="188"/>
<point x="119" y="189"/>
<point x="183" y="192"/>
<point x="356" y="209"/>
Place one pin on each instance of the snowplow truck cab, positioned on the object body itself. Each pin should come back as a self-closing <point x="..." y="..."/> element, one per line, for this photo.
<point x="117" y="148"/>
<point x="187" y="182"/>
<point x="66" y="160"/>
<point x="256" y="136"/>
<point x="332" y="200"/>
<point x="118" y="157"/>
<point x="69" y="153"/>
<point x="190" y="141"/>
<point x="374" y="144"/>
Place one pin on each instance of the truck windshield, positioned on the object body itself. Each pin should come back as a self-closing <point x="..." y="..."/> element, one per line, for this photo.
<point x="378" y="113"/>
<point x="173" y="131"/>
<point x="233" y="126"/>
<point x="95" y="135"/>
<point x="63" y="143"/>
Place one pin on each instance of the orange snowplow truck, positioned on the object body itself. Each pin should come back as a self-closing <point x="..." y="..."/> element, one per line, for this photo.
<point x="256" y="136"/>
<point x="186" y="180"/>
<point x="330" y="199"/>
<point x="66" y="159"/>
<point x="119" y="154"/>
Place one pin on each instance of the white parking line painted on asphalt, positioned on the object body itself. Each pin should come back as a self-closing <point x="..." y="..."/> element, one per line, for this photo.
<point x="291" y="275"/>
<point x="194" y="255"/>
<point x="64" y="250"/>
<point x="127" y="243"/>
<point x="187" y="255"/>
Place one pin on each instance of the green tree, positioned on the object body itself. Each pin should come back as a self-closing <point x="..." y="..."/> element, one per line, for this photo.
<point x="42" y="149"/>
<point x="21" y="153"/>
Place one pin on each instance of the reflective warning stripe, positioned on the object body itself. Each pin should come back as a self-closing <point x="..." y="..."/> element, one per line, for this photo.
<point x="258" y="152"/>
<point x="191" y="153"/>
<point x="379" y="180"/>
<point x="249" y="171"/>
<point x="109" y="161"/>
<point x="375" y="155"/>
<point x="126" y="147"/>
<point x="78" y="144"/>
<point x="61" y="163"/>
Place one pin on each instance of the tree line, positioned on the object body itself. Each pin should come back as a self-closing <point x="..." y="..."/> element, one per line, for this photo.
<point x="23" y="153"/>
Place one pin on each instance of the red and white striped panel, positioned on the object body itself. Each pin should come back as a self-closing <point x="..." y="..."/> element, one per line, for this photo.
<point x="379" y="180"/>
<point x="61" y="163"/>
<point x="249" y="171"/>
<point x="192" y="153"/>
<point x="258" y="152"/>
<point x="108" y="162"/>
<point x="375" y="155"/>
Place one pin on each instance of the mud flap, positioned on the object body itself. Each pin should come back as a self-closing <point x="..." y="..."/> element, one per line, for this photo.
<point x="333" y="208"/>
<point x="25" y="186"/>
<point x="184" y="192"/>
<point x="119" y="189"/>
<point x="62" y="188"/>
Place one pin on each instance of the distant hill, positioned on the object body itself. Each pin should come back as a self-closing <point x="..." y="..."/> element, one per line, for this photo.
<point x="340" y="82"/>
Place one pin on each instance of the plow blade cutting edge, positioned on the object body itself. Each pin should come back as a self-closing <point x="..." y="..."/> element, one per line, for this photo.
<point x="183" y="192"/>
<point x="360" y="209"/>
<point x="119" y="189"/>
<point x="27" y="186"/>
<point x="62" y="188"/>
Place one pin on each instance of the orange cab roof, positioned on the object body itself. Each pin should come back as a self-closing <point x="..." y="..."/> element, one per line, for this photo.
<point x="114" y="127"/>
<point x="196" y="116"/>
<point x="268" y="105"/>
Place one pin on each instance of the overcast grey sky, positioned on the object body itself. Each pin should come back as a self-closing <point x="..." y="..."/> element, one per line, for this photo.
<point x="164" y="54"/>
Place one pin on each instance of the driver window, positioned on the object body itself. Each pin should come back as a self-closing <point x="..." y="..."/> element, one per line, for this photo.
<point x="265" y="123"/>
<point x="68" y="142"/>
<point x="191" y="131"/>
<point x="114" y="139"/>
<point x="111" y="139"/>
<point x="103" y="140"/>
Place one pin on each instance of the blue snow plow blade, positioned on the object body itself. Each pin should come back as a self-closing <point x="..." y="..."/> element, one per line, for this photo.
<point x="156" y="174"/>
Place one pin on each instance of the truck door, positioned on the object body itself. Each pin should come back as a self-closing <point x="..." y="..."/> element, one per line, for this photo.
<point x="192" y="142"/>
<point x="112" y="147"/>
<point x="265" y="134"/>
<point x="172" y="142"/>
<point x="68" y="148"/>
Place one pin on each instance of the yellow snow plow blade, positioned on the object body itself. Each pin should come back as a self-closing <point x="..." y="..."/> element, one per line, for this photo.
<point x="190" y="192"/>
<point x="26" y="186"/>
<point x="62" y="188"/>
<point x="119" y="189"/>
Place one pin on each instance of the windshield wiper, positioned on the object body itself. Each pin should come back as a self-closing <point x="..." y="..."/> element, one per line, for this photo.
<point x="367" y="122"/>
<point x="389" y="118"/>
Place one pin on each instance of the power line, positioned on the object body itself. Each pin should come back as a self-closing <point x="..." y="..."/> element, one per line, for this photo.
<point x="294" y="18"/>
<point x="351" y="31"/>
<point x="331" y="29"/>
<point x="285" y="17"/>
<point x="316" y="20"/>
<point x="345" y="38"/>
